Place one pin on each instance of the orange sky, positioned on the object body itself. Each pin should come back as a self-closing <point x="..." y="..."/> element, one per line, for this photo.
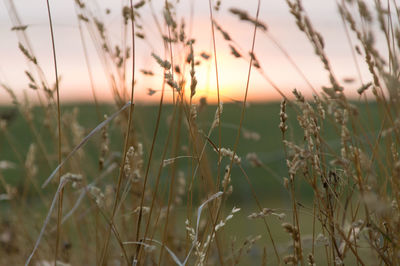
<point x="232" y="71"/>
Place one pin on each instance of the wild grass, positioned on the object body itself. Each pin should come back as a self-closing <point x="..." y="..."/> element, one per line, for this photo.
<point x="173" y="184"/>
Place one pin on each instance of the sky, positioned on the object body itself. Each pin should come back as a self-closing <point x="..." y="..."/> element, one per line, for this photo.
<point x="232" y="72"/>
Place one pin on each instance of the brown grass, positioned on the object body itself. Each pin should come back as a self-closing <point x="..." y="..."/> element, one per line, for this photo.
<point x="136" y="207"/>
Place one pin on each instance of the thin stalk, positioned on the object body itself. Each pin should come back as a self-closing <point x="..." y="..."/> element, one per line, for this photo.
<point x="89" y="69"/>
<point x="218" y="95"/>
<point x="126" y="146"/>
<point x="60" y="197"/>
<point x="160" y="107"/>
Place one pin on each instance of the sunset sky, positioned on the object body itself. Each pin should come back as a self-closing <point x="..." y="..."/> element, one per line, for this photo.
<point x="233" y="71"/>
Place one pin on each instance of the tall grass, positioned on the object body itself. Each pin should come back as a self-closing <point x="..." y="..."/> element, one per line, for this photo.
<point x="168" y="197"/>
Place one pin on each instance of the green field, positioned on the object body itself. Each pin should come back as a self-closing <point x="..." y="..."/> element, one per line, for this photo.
<point x="262" y="119"/>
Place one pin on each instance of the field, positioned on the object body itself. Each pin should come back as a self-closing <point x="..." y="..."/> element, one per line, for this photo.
<point x="260" y="135"/>
<point x="311" y="179"/>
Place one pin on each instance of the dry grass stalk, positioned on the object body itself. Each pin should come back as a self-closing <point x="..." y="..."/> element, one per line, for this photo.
<point x="355" y="189"/>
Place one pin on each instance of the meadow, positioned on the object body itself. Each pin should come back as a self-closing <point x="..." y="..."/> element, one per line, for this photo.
<point x="308" y="180"/>
<point x="259" y="135"/>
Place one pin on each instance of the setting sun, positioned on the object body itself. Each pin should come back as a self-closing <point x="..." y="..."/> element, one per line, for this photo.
<point x="81" y="73"/>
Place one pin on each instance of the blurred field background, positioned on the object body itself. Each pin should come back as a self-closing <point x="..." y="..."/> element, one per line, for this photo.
<point x="260" y="135"/>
